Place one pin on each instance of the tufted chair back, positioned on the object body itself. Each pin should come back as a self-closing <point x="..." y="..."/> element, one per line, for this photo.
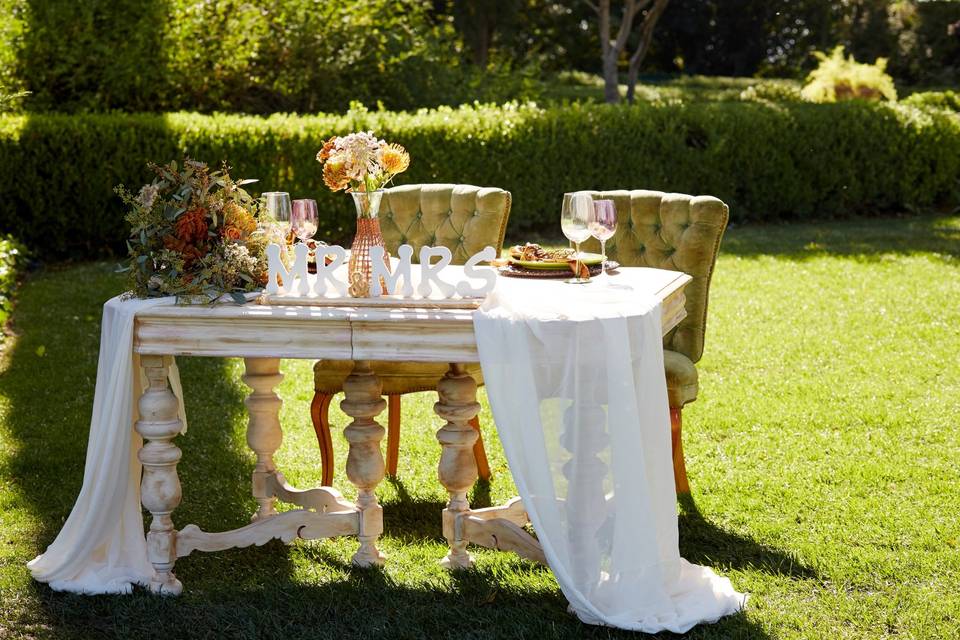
<point x="670" y="231"/>
<point x="461" y="217"/>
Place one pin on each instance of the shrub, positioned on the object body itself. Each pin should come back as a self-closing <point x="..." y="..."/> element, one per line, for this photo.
<point x="772" y="91"/>
<point x="937" y="99"/>
<point x="234" y="55"/>
<point x="767" y="161"/>
<point x="12" y="255"/>
<point x="843" y="78"/>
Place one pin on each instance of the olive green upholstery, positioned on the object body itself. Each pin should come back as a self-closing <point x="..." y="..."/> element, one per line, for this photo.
<point x="681" y="233"/>
<point x="463" y="218"/>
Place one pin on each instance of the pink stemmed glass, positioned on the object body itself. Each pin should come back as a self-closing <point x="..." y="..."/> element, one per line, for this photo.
<point x="603" y="224"/>
<point x="303" y="219"/>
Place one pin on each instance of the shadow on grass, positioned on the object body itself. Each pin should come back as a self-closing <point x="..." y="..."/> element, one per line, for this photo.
<point x="48" y="387"/>
<point x="407" y="517"/>
<point x="865" y="238"/>
<point x="703" y="542"/>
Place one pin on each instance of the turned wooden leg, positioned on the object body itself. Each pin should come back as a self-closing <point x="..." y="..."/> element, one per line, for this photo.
<point x="264" y="435"/>
<point x="458" y="405"/>
<point x="365" y="469"/>
<point x="320" y="414"/>
<point x="479" y="453"/>
<point x="393" y="434"/>
<point x="160" y="486"/>
<point x="679" y="465"/>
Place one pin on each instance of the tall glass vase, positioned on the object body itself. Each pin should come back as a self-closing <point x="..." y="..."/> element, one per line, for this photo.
<point x="368" y="235"/>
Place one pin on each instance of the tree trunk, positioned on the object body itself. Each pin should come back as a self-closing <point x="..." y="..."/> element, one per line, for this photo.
<point x="646" y="37"/>
<point x="632" y="74"/>
<point x="611" y="85"/>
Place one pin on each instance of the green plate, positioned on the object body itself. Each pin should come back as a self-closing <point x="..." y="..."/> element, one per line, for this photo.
<point x="589" y="259"/>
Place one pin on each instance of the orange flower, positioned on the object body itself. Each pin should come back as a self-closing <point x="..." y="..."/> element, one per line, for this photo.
<point x="189" y="252"/>
<point x="394" y="159"/>
<point x="192" y="226"/>
<point x="238" y="218"/>
<point x="327" y="150"/>
<point x="232" y="233"/>
<point x="335" y="175"/>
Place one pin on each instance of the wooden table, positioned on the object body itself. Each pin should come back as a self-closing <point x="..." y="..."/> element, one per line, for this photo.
<point x="261" y="335"/>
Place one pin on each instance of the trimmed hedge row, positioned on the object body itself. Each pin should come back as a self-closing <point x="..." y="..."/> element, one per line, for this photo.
<point x="11" y="260"/>
<point x="767" y="161"/>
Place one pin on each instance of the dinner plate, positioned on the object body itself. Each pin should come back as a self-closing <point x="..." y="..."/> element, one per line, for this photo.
<point x="590" y="259"/>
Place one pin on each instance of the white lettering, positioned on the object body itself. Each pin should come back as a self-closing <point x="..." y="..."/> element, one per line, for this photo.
<point x="488" y="275"/>
<point x="325" y="271"/>
<point x="380" y="270"/>
<point x="276" y="270"/>
<point x="431" y="272"/>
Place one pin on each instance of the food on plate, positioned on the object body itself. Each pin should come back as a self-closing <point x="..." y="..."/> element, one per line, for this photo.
<point x="580" y="269"/>
<point x="531" y="252"/>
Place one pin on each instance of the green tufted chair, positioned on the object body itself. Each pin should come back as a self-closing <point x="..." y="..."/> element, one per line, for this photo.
<point x="681" y="233"/>
<point x="463" y="218"/>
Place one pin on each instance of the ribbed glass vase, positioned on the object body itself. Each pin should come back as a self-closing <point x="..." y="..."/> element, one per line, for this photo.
<point x="368" y="235"/>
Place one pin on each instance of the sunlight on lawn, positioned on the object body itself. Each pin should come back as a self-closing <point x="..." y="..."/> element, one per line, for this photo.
<point x="821" y="452"/>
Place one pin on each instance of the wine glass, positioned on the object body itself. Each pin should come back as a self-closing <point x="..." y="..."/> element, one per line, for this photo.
<point x="303" y="219"/>
<point x="603" y="224"/>
<point x="575" y="223"/>
<point x="277" y="206"/>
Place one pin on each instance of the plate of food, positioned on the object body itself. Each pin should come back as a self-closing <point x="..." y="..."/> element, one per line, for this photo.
<point x="533" y="256"/>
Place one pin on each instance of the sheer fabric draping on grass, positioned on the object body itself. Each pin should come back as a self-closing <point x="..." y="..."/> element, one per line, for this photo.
<point x="101" y="547"/>
<point x="575" y="378"/>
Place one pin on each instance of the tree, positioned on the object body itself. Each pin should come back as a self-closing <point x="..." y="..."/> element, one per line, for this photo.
<point x="479" y="21"/>
<point x="612" y="47"/>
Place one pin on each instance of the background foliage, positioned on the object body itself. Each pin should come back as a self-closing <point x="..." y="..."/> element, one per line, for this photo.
<point x="767" y="160"/>
<point x="236" y="55"/>
<point x="310" y="55"/>
<point x="12" y="257"/>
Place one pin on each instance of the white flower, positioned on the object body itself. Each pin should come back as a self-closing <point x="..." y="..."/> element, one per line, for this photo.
<point x="360" y="152"/>
<point x="147" y="196"/>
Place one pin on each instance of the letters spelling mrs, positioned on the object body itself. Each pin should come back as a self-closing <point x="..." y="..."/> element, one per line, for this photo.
<point x="429" y="272"/>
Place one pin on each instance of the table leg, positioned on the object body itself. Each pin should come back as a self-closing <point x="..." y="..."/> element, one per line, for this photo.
<point x="365" y="468"/>
<point x="160" y="486"/>
<point x="457" y="404"/>
<point x="264" y="434"/>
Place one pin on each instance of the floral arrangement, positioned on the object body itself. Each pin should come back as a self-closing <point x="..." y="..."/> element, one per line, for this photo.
<point x="361" y="162"/>
<point x="194" y="232"/>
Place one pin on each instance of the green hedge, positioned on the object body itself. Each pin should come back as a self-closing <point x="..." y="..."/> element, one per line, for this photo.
<point x="767" y="161"/>
<point x="12" y="256"/>
<point x="935" y="99"/>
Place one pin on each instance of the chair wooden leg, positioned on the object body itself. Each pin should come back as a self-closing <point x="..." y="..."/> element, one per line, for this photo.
<point x="679" y="466"/>
<point x="320" y="413"/>
<point x="483" y="465"/>
<point x="393" y="434"/>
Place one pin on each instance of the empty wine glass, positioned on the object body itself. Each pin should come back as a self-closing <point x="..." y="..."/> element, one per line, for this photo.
<point x="277" y="206"/>
<point x="603" y="224"/>
<point x="304" y="219"/>
<point x="575" y="222"/>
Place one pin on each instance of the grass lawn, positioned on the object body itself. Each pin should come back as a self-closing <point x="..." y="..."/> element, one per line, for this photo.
<point x="822" y="455"/>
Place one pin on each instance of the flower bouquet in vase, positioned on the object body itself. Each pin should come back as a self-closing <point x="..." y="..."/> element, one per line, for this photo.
<point x="362" y="165"/>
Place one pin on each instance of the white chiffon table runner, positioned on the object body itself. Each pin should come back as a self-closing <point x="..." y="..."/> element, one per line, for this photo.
<point x="101" y="547"/>
<point x="575" y="378"/>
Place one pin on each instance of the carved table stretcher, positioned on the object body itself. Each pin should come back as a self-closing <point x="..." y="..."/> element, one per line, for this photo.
<point x="262" y="335"/>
